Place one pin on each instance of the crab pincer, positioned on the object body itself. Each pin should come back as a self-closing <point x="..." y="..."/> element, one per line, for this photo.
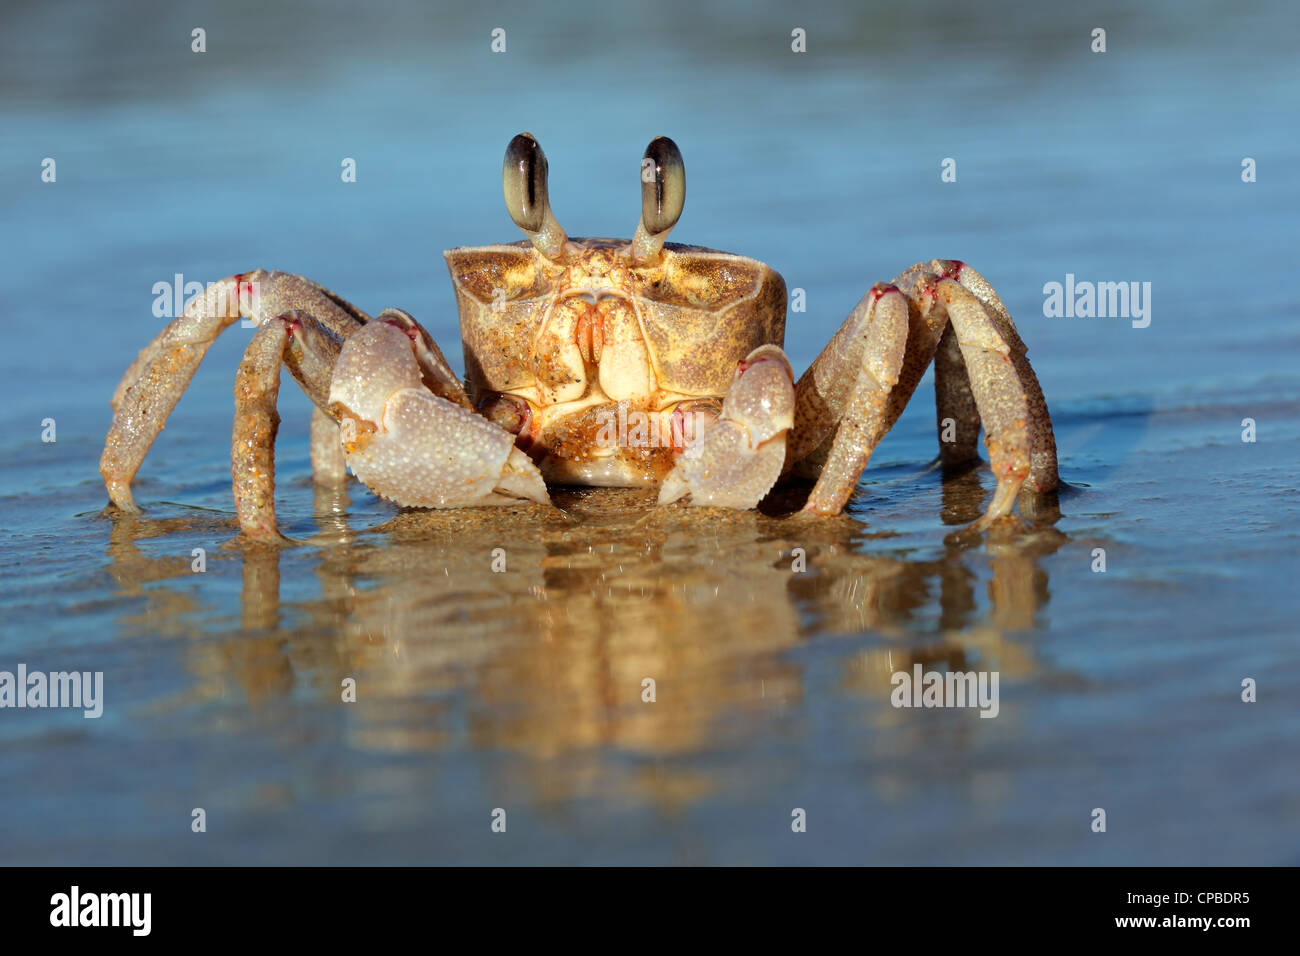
<point x="735" y="463"/>
<point x="412" y="446"/>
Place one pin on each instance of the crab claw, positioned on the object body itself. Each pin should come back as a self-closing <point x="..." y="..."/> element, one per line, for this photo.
<point x="738" y="460"/>
<point x="412" y="447"/>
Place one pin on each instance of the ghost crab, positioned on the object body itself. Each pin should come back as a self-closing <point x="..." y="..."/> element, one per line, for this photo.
<point x="566" y="341"/>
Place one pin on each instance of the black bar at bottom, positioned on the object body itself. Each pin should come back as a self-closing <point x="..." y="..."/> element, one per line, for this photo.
<point x="301" y="906"/>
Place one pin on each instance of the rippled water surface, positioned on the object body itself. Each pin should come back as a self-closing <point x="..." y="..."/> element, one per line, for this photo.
<point x="522" y="690"/>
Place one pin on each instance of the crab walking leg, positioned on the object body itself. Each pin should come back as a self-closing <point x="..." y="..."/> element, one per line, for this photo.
<point x="739" y="458"/>
<point x="954" y="404"/>
<point x="1043" y="475"/>
<point x="309" y="349"/>
<point x="412" y="446"/>
<point x="252" y="442"/>
<point x="872" y="343"/>
<point x="981" y="377"/>
<point x="155" y="381"/>
<point x="824" y="390"/>
<point x="136" y="368"/>
<point x="997" y="390"/>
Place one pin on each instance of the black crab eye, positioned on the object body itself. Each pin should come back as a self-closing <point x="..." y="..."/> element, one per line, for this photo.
<point x="523" y="180"/>
<point x="663" y="185"/>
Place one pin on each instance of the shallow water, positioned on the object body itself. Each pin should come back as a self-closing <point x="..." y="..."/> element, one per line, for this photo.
<point x="522" y="690"/>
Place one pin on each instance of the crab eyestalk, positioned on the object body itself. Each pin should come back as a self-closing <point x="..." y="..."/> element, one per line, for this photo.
<point x="663" y="194"/>
<point x="523" y="179"/>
